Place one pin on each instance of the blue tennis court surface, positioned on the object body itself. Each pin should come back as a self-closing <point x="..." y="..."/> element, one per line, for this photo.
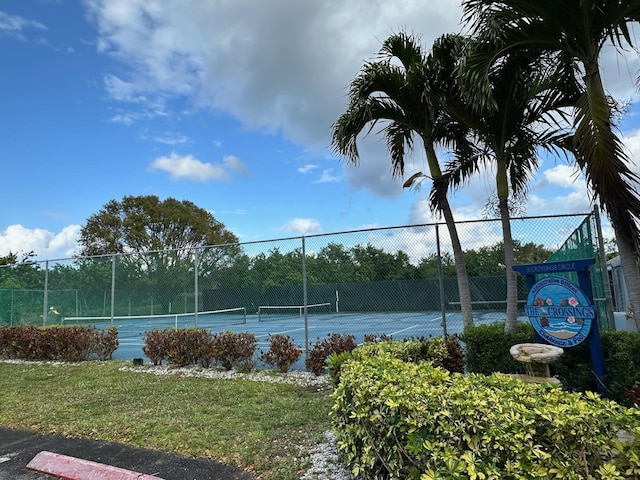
<point x="399" y="325"/>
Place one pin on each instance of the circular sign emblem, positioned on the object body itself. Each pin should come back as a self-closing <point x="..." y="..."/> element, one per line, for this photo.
<point x="559" y="311"/>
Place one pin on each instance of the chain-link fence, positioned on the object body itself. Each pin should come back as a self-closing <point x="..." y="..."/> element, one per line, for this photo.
<point x="385" y="271"/>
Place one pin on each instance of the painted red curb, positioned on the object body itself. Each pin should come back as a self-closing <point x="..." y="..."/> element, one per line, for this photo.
<point x="71" y="468"/>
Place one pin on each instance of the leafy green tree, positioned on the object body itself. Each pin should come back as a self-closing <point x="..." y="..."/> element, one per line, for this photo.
<point x="428" y="266"/>
<point x="488" y="261"/>
<point x="146" y="223"/>
<point x="556" y="31"/>
<point x="162" y="240"/>
<point x="399" y="90"/>
<point x="373" y="264"/>
<point x="332" y="264"/>
<point x="21" y="284"/>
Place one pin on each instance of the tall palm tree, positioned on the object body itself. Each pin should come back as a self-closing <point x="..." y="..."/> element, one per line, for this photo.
<point x="577" y="30"/>
<point x="397" y="90"/>
<point x="509" y="126"/>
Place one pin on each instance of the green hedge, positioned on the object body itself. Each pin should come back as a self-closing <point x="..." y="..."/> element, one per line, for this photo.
<point x="398" y="420"/>
<point x="445" y="353"/>
<point x="487" y="351"/>
<point x="487" y="348"/>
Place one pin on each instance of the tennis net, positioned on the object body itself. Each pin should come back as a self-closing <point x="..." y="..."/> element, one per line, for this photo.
<point x="228" y="316"/>
<point x="278" y="312"/>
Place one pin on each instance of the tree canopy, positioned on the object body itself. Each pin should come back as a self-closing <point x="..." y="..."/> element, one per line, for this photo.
<point x="146" y="223"/>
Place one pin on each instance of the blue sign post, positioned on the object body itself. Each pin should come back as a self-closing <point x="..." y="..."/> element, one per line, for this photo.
<point x="563" y="313"/>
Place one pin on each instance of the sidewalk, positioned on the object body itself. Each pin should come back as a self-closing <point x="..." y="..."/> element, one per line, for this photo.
<point x="19" y="447"/>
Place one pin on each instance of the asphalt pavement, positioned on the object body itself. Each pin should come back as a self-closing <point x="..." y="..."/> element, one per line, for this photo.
<point x="19" y="447"/>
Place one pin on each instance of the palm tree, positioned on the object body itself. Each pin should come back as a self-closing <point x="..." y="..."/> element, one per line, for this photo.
<point x="577" y="30"/>
<point x="401" y="95"/>
<point x="509" y="126"/>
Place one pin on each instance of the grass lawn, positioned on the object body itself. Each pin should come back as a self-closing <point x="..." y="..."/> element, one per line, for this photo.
<point x="263" y="427"/>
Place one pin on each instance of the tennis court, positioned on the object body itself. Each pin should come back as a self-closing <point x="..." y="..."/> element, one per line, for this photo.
<point x="288" y="320"/>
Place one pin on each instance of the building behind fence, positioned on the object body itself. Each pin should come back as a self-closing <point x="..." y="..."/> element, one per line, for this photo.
<point x="398" y="269"/>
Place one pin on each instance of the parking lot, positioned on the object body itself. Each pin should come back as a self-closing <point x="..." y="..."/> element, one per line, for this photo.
<point x="18" y="447"/>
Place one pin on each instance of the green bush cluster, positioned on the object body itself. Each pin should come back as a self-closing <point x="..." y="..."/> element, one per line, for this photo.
<point x="193" y="346"/>
<point x="487" y="351"/>
<point x="439" y="351"/>
<point x="70" y="344"/>
<point x="487" y="348"/>
<point x="400" y="420"/>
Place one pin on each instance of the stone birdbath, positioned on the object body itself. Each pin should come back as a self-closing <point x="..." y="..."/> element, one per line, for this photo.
<point x="536" y="357"/>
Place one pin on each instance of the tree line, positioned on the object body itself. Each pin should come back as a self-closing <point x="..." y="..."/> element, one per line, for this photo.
<point x="83" y="286"/>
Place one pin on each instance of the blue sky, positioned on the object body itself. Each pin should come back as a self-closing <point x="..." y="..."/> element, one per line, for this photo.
<point x="226" y="104"/>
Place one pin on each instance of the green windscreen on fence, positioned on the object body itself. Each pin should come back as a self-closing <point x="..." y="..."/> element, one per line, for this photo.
<point x="578" y="245"/>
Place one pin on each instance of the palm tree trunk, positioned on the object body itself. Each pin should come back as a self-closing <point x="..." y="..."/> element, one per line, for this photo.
<point x="458" y="255"/>
<point x="502" y="187"/>
<point x="622" y="221"/>
<point x="461" y="268"/>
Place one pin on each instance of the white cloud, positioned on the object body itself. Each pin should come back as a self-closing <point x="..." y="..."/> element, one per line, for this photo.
<point x="302" y="226"/>
<point x="563" y="175"/>
<point x="327" y="176"/>
<point x="188" y="167"/>
<point x="307" y="168"/>
<point x="170" y="138"/>
<point x="13" y="25"/>
<point x="631" y="141"/>
<point x="45" y="244"/>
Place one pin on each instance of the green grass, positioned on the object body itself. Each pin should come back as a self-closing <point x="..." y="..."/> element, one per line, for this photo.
<point x="262" y="427"/>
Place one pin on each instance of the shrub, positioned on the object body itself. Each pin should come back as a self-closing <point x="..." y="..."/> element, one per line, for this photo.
<point x="632" y="395"/>
<point x="70" y="344"/>
<point x="454" y="360"/>
<point x="487" y="348"/>
<point x="394" y="419"/>
<point x="375" y="338"/>
<point x="156" y="345"/>
<point x="105" y="342"/>
<point x="234" y="350"/>
<point x="282" y="352"/>
<point x="334" y="365"/>
<point x="185" y="347"/>
<point x="19" y="342"/>
<point x="316" y="360"/>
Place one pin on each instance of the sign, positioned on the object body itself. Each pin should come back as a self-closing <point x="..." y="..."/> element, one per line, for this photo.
<point x="559" y="311"/>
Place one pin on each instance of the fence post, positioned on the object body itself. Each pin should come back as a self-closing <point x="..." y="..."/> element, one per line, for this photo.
<point x="604" y="272"/>
<point x="304" y="297"/>
<point x="443" y="307"/>
<point x="195" y="288"/>
<point x="113" y="287"/>
<point x="45" y="306"/>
